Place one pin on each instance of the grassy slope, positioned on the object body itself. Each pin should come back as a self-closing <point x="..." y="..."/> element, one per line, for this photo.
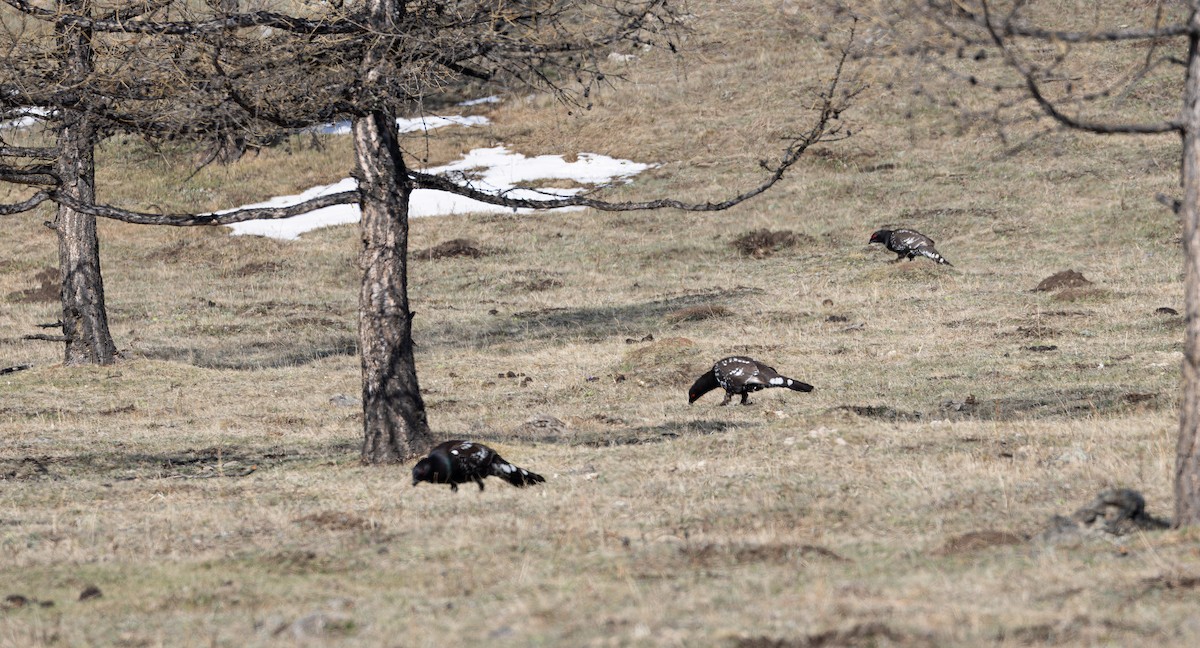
<point x="661" y="523"/>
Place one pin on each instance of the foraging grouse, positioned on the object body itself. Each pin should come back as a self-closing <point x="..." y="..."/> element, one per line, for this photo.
<point x="908" y="243"/>
<point x="458" y="462"/>
<point x="741" y="375"/>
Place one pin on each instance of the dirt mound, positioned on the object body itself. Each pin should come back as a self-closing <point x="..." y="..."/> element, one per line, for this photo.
<point x="762" y="243"/>
<point x="459" y="247"/>
<point x="48" y="288"/>
<point x="1063" y="280"/>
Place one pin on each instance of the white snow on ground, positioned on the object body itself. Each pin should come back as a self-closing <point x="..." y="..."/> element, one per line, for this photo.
<point x="481" y="100"/>
<point x="408" y="125"/>
<point x="491" y="169"/>
<point x="33" y="115"/>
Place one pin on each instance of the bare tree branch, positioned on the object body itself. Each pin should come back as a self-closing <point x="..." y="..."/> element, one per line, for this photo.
<point x="216" y="218"/>
<point x="17" y="208"/>
<point x="28" y="152"/>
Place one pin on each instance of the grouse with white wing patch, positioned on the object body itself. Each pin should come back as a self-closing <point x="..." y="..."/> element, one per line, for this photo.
<point x="908" y="243"/>
<point x="741" y="375"/>
<point x="458" y="462"/>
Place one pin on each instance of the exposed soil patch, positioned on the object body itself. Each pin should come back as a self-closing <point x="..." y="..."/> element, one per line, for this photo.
<point x="256" y="268"/>
<point x="542" y="428"/>
<point x="841" y="158"/>
<point x="1061" y="280"/>
<point x="459" y="247"/>
<point x="1079" y="294"/>
<point x="257" y="355"/>
<point x="190" y="463"/>
<point x="1071" y="402"/>
<point x="587" y="322"/>
<point x="979" y="540"/>
<point x="48" y="288"/>
<point x="861" y="635"/>
<point x="697" y="313"/>
<point x="26" y="469"/>
<point x="1182" y="584"/>
<point x="761" y="243"/>
<point x="533" y="281"/>
<point x="1034" y="331"/>
<point x="948" y="212"/>
<point x="336" y="521"/>
<point x="882" y="412"/>
<point x="669" y="361"/>
<point x="728" y="554"/>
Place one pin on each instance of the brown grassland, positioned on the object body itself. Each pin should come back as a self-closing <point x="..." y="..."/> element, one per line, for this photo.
<point x="209" y="483"/>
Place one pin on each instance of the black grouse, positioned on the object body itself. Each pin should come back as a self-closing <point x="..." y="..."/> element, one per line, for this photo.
<point x="741" y="375"/>
<point x="458" y="462"/>
<point x="908" y="243"/>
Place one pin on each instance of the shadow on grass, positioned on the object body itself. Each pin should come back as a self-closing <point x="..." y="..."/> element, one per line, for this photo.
<point x="190" y="463"/>
<point x="257" y="355"/>
<point x="1066" y="403"/>
<point x="604" y="438"/>
<point x="587" y="323"/>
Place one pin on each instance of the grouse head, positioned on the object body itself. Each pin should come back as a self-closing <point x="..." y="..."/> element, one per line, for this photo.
<point x="432" y="469"/>
<point x="703" y="385"/>
<point x="880" y="236"/>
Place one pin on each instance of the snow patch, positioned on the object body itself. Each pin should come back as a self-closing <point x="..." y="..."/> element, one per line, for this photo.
<point x="31" y="117"/>
<point x="482" y="100"/>
<point x="493" y="170"/>
<point x="405" y="125"/>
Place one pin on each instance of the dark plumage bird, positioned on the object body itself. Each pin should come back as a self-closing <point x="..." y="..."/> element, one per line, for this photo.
<point x="741" y="375"/>
<point x="458" y="462"/>
<point x="908" y="243"/>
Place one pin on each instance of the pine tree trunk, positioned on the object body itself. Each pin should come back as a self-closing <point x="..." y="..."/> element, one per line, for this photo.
<point x="85" y="321"/>
<point x="394" y="424"/>
<point x="1187" y="455"/>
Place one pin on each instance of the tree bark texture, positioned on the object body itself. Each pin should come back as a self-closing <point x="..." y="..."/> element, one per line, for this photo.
<point x="85" y="321"/>
<point x="394" y="423"/>
<point x="1187" y="455"/>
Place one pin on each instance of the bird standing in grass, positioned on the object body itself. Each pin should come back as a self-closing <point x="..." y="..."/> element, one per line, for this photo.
<point x="741" y="375"/>
<point x="458" y="462"/>
<point x="908" y="243"/>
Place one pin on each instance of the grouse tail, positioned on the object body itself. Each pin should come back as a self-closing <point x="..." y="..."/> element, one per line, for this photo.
<point x="514" y="475"/>
<point x="797" y="385"/>
<point x="933" y="254"/>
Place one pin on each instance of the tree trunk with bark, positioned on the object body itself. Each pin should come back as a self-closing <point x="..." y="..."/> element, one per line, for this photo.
<point x="394" y="424"/>
<point x="1187" y="456"/>
<point x="84" y="318"/>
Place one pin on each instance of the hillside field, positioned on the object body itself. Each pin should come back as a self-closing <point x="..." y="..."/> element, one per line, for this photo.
<point x="209" y="484"/>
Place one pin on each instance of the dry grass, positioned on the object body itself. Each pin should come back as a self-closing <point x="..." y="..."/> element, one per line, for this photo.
<point x="208" y="485"/>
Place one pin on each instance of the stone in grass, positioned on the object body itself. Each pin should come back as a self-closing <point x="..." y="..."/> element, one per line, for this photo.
<point x="1114" y="513"/>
